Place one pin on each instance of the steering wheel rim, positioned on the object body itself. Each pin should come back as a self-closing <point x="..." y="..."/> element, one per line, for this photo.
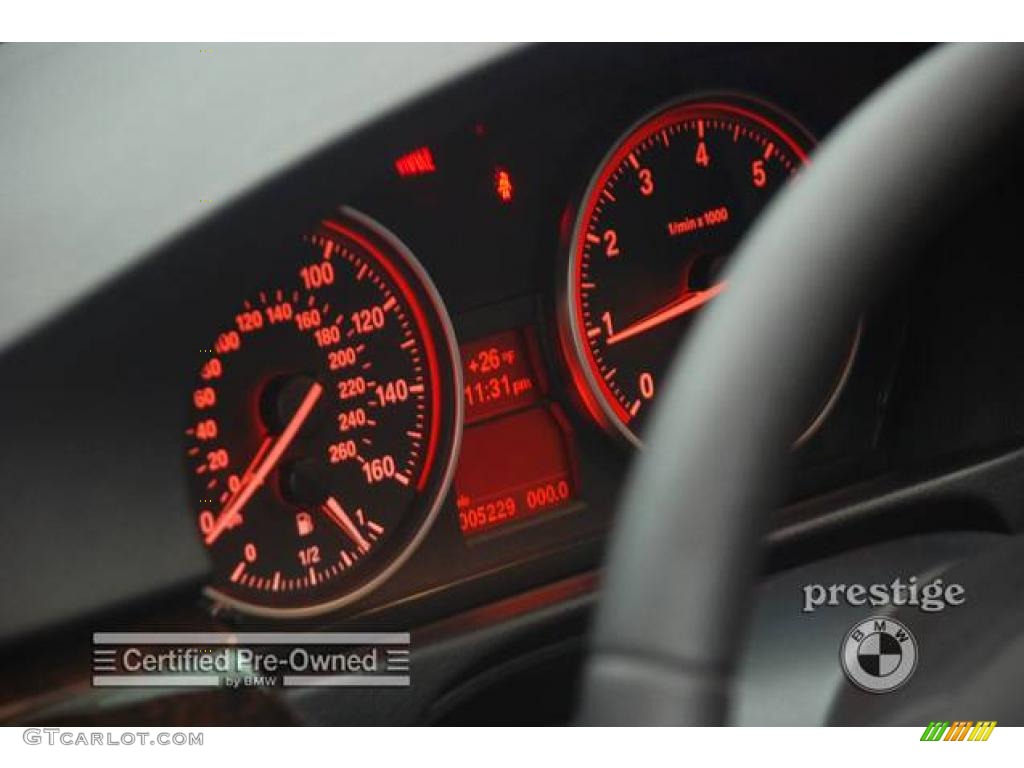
<point x="684" y="551"/>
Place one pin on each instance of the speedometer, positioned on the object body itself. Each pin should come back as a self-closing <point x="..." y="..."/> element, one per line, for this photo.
<point x="324" y="424"/>
<point x="653" y="234"/>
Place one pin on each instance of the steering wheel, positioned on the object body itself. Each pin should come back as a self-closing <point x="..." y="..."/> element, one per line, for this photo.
<point x="683" y="559"/>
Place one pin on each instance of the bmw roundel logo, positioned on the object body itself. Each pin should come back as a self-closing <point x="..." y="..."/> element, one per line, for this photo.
<point x="879" y="654"/>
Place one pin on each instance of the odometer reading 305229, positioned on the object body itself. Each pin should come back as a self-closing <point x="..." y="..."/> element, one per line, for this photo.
<point x="324" y="425"/>
<point x="654" y="231"/>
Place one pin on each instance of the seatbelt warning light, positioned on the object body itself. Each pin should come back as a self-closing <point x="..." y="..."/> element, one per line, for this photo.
<point x="503" y="185"/>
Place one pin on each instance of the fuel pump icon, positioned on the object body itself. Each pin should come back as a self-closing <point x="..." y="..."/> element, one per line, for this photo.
<point x="304" y="523"/>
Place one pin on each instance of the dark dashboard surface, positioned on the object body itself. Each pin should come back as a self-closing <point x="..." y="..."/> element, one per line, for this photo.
<point x="95" y="402"/>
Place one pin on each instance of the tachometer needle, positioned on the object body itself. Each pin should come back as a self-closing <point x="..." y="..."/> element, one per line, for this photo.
<point x="688" y="302"/>
<point x="261" y="467"/>
<point x="340" y="517"/>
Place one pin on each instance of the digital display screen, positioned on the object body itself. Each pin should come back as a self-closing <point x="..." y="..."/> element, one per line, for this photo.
<point x="498" y="375"/>
<point x="516" y="452"/>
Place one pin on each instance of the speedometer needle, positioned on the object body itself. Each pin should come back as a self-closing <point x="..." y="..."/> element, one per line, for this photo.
<point x="688" y="302"/>
<point x="261" y="467"/>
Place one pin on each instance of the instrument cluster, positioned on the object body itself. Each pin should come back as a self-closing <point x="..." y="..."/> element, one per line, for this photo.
<point x="457" y="348"/>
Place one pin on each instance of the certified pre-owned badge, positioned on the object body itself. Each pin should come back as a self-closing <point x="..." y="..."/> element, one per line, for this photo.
<point x="879" y="655"/>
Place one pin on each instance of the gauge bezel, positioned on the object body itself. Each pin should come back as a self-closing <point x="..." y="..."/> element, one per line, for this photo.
<point x="449" y="372"/>
<point x="595" y="399"/>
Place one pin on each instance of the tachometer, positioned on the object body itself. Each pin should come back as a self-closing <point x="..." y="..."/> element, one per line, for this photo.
<point x="324" y="425"/>
<point x="653" y="233"/>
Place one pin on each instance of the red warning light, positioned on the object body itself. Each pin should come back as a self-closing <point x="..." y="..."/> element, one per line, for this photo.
<point x="503" y="185"/>
<point x="416" y="163"/>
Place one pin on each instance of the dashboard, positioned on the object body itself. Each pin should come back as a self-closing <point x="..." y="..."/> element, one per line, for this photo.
<point x="405" y="378"/>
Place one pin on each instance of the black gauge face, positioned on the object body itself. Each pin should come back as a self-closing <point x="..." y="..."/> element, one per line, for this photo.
<point x="654" y="232"/>
<point x="324" y="424"/>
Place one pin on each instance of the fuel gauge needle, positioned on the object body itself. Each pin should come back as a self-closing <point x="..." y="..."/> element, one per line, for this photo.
<point x="340" y="517"/>
<point x="261" y="467"/>
<point x="688" y="302"/>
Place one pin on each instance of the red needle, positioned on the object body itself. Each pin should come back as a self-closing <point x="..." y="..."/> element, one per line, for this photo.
<point x="688" y="302"/>
<point x="340" y="516"/>
<point x="267" y="442"/>
<point x="254" y="479"/>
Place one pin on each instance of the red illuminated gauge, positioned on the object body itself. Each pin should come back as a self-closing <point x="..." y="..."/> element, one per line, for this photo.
<point x="652" y="236"/>
<point x="324" y="425"/>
